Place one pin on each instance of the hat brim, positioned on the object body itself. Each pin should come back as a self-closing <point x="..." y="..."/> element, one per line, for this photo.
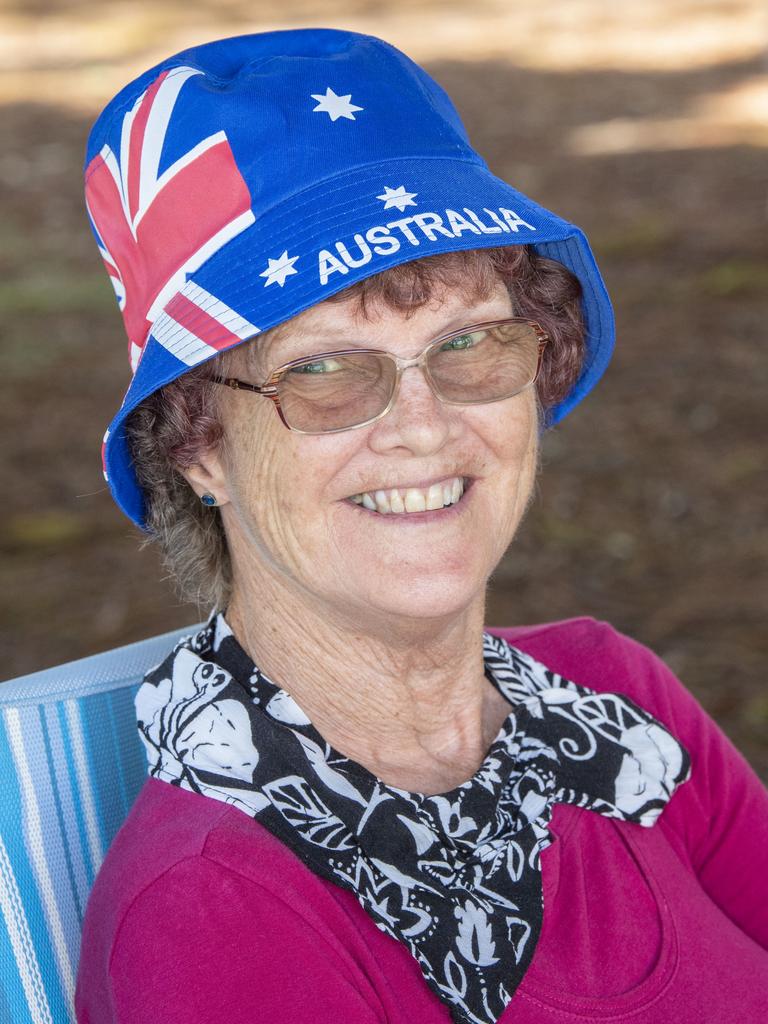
<point x="326" y="238"/>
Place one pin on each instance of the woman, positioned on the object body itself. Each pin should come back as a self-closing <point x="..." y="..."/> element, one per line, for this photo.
<point x="362" y="807"/>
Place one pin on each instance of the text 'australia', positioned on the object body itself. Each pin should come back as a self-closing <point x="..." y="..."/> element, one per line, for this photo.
<point x="387" y="239"/>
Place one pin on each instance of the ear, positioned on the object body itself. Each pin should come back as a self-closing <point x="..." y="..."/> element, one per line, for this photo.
<point x="208" y="476"/>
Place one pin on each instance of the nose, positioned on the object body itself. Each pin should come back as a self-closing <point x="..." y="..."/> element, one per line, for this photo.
<point x="418" y="421"/>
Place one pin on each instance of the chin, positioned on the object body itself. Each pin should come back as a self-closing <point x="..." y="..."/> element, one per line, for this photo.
<point x="423" y="599"/>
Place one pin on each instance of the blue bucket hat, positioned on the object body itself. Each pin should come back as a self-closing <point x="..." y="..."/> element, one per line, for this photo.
<point x="240" y="182"/>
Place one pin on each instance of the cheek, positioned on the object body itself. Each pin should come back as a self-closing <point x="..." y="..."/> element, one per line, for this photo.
<point x="523" y="452"/>
<point x="511" y="441"/>
<point x="257" y="465"/>
<point x="510" y="434"/>
<point x="279" y="480"/>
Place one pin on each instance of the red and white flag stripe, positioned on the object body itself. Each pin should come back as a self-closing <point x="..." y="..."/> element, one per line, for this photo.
<point x="196" y="325"/>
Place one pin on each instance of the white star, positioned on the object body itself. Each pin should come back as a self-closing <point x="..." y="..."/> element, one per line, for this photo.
<point x="279" y="269"/>
<point x="397" y="197"/>
<point x="335" y="106"/>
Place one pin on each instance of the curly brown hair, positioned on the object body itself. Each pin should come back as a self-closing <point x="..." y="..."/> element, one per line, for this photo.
<point x="172" y="427"/>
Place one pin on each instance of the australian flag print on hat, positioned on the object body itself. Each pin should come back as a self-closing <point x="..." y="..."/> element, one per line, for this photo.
<point x="243" y="181"/>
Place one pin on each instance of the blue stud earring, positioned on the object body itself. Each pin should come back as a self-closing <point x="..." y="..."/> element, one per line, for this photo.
<point x="208" y="499"/>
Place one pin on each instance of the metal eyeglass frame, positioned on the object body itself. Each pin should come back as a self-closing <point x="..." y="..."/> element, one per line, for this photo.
<point x="269" y="389"/>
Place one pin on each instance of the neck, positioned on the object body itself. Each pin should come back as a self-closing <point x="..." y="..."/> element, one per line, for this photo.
<point x="408" y="700"/>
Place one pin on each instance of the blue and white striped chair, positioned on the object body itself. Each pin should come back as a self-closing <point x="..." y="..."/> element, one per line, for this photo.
<point x="71" y="765"/>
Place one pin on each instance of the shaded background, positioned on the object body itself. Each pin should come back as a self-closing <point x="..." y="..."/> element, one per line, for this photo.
<point x="647" y="124"/>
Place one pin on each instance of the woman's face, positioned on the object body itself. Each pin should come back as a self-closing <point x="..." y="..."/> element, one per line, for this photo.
<point x="286" y="497"/>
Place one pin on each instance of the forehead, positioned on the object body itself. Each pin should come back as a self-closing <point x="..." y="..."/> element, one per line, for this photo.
<point x="344" y="322"/>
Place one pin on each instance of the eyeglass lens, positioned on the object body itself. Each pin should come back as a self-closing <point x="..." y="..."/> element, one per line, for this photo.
<point x="325" y="393"/>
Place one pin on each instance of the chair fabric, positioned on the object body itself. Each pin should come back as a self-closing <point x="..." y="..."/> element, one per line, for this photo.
<point x="71" y="765"/>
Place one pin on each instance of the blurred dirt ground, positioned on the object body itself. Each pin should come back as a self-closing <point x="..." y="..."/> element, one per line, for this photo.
<point x="646" y="124"/>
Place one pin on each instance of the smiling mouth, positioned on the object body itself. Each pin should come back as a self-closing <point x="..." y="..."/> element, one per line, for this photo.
<point x="404" y="500"/>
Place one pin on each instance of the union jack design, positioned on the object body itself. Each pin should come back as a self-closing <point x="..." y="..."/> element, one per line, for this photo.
<point x="153" y="229"/>
<point x="195" y="325"/>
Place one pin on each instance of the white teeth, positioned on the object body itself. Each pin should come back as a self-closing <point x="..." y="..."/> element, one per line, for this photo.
<point x="435" y="496"/>
<point x="396" y="503"/>
<point x="415" y="500"/>
<point x="382" y="501"/>
<point x="412" y="499"/>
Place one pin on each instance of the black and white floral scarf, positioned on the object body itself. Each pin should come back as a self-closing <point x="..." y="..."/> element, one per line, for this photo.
<point x="455" y="876"/>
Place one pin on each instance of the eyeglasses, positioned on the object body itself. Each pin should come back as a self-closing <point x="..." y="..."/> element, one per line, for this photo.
<point x="333" y="391"/>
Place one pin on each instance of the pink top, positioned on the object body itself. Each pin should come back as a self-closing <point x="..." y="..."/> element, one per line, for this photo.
<point x="200" y="916"/>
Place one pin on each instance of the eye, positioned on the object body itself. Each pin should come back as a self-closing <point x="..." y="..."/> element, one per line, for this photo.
<point x="318" y="366"/>
<point x="461" y="342"/>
